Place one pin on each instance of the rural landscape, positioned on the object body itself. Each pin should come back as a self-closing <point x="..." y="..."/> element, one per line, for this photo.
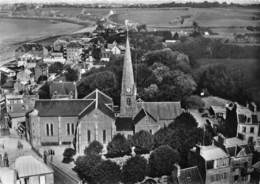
<point x="130" y="93"/>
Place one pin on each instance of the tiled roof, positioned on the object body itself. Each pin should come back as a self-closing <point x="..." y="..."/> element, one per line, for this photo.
<point x="161" y="110"/>
<point x="65" y="108"/>
<point x="30" y="166"/>
<point x="62" y="88"/>
<point x="102" y="102"/>
<point x="124" y="124"/>
<point x="190" y="176"/>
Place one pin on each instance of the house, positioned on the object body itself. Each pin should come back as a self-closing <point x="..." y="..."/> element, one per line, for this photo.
<point x="31" y="170"/>
<point x="190" y="175"/>
<point x="213" y="163"/>
<point x="113" y="48"/>
<point x="136" y="115"/>
<point x="247" y="123"/>
<point x="74" y="50"/>
<point x="34" y="49"/>
<point x="17" y="106"/>
<point x="62" y="121"/>
<point x="25" y="77"/>
<point x="28" y="60"/>
<point x="63" y="90"/>
<point x="7" y="175"/>
<point x="41" y="69"/>
<point x="240" y="157"/>
<point x="59" y="44"/>
<point x="55" y="57"/>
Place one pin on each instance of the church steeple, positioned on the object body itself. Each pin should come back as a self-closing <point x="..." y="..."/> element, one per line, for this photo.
<point x="128" y="90"/>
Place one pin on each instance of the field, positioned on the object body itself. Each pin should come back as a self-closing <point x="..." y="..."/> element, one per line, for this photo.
<point x="247" y="66"/>
<point x="221" y="19"/>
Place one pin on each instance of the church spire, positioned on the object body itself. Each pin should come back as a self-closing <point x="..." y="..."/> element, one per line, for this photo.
<point x="128" y="90"/>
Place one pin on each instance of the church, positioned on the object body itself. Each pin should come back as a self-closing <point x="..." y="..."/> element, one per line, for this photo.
<point x="80" y="121"/>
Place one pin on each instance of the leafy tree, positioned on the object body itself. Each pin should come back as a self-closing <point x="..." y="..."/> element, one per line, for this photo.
<point x="193" y="102"/>
<point x="84" y="166"/>
<point x="42" y="78"/>
<point x="162" y="136"/>
<point x="104" y="81"/>
<point x="71" y="74"/>
<point x="134" y="170"/>
<point x="56" y="67"/>
<point x="162" y="160"/>
<point x="106" y="172"/>
<point x="143" y="142"/>
<point x="68" y="154"/>
<point x="119" y="146"/>
<point x="3" y="78"/>
<point x="94" y="147"/>
<point x="185" y="121"/>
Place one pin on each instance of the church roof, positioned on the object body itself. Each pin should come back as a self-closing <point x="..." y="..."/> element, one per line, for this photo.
<point x="63" y="108"/>
<point x="101" y="101"/>
<point x="124" y="124"/>
<point x="161" y="110"/>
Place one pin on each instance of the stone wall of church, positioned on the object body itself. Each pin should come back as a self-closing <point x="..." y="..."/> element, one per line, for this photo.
<point x="147" y="124"/>
<point x="95" y="126"/>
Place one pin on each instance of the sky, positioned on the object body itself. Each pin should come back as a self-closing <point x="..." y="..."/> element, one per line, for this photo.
<point x="125" y="1"/>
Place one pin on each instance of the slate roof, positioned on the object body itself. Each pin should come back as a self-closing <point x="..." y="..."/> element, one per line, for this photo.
<point x="161" y="110"/>
<point x="61" y="88"/>
<point x="63" y="108"/>
<point x="190" y="176"/>
<point x="102" y="102"/>
<point x="30" y="166"/>
<point x="124" y="124"/>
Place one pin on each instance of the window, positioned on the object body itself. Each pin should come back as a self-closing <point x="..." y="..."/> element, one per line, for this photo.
<point x="89" y="136"/>
<point x="68" y="129"/>
<point x="128" y="101"/>
<point x="151" y="131"/>
<point x="252" y="129"/>
<point x="51" y="129"/>
<point x="42" y="179"/>
<point x="210" y="164"/>
<point x="104" y="136"/>
<point x="72" y="128"/>
<point x="47" y="130"/>
<point x="244" y="129"/>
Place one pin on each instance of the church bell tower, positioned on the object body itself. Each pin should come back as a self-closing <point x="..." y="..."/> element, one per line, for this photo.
<point x="128" y="90"/>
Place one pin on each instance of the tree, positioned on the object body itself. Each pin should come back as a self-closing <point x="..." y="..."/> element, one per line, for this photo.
<point x="3" y="78"/>
<point x="104" y="81"/>
<point x="85" y="164"/>
<point x="134" y="170"/>
<point x="44" y="91"/>
<point x="106" y="172"/>
<point x="193" y="102"/>
<point x="119" y="146"/>
<point x="68" y="154"/>
<point x="71" y="74"/>
<point x="143" y="142"/>
<point x="94" y="147"/>
<point x="42" y="78"/>
<point x="162" y="160"/>
<point x="162" y="136"/>
<point x="185" y="121"/>
<point x="56" y="67"/>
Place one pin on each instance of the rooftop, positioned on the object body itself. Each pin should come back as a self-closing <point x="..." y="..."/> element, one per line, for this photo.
<point x="212" y="153"/>
<point x="30" y="166"/>
<point x="190" y="175"/>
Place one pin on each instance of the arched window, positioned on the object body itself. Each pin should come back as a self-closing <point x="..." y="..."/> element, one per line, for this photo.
<point x="128" y="101"/>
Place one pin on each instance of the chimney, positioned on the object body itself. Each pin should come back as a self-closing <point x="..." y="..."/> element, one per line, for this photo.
<point x="176" y="172"/>
<point x="254" y="107"/>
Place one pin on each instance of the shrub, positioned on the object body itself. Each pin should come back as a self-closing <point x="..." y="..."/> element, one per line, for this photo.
<point x="143" y="142"/>
<point x="68" y="154"/>
<point x="134" y="170"/>
<point x="162" y="160"/>
<point x="106" y="172"/>
<point x="119" y="146"/>
<point x="85" y="164"/>
<point x="94" y="147"/>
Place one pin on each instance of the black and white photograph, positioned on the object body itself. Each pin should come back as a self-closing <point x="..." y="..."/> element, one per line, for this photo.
<point x="129" y="91"/>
